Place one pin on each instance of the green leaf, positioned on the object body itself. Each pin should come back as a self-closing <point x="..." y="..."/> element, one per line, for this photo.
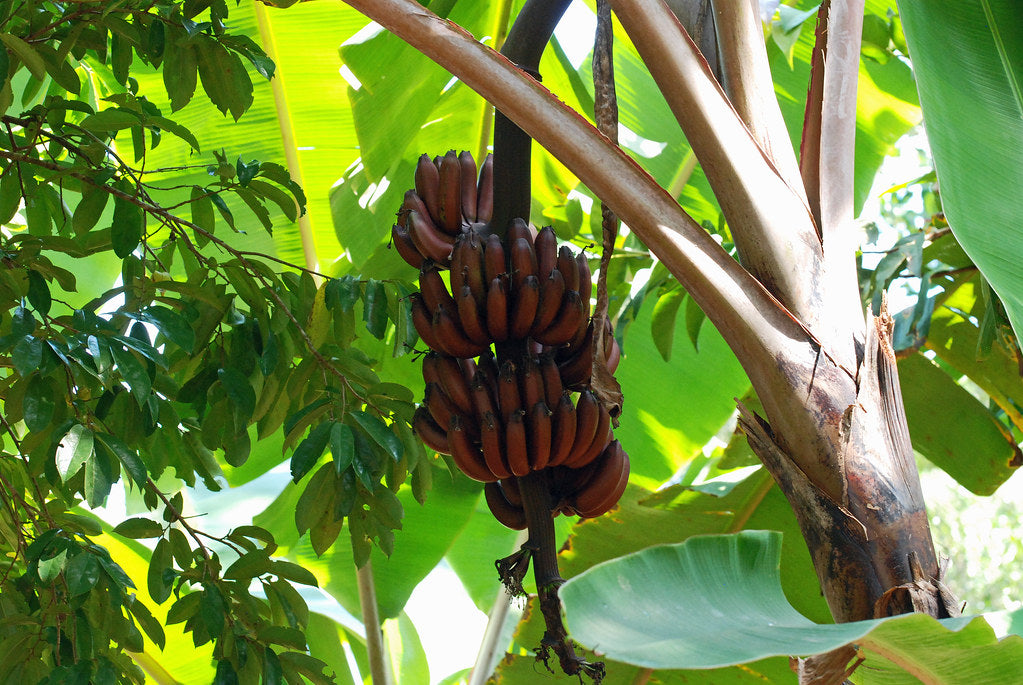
<point x="976" y="137"/>
<point x="26" y="53"/>
<point x="309" y="451"/>
<point x="90" y="208"/>
<point x="293" y="572"/>
<point x="249" y="565"/>
<point x="139" y="527"/>
<point x="50" y="568"/>
<point x="342" y="446"/>
<point x="38" y="292"/>
<point x="74" y="450"/>
<point x="128" y="457"/>
<point x="110" y="120"/>
<point x="126" y="230"/>
<point x="408" y="658"/>
<point x="171" y="324"/>
<point x="82" y="573"/>
<point x="375" y="312"/>
<point x="10" y="189"/>
<point x="149" y="623"/>
<point x="240" y="391"/>
<point x="976" y="449"/>
<point x="133" y="372"/>
<point x="27" y="355"/>
<point x="380" y="433"/>
<point x="158" y="578"/>
<point x="662" y="325"/>
<point x="716" y="600"/>
<point x="224" y="78"/>
<point x="180" y="63"/>
<point x="39" y="402"/>
<point x="101" y="472"/>
<point x="272" y="672"/>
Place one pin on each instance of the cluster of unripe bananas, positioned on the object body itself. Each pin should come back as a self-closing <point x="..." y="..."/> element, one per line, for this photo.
<point x="526" y="404"/>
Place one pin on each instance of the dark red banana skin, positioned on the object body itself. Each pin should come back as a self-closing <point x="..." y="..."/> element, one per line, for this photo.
<point x="516" y="450"/>
<point x="605" y="486"/>
<point x="428" y="184"/>
<point x="468" y="180"/>
<point x="568" y="268"/>
<point x="551" y="376"/>
<point x="429" y="239"/>
<point x="422" y="320"/>
<point x="485" y="191"/>
<point x="510" y="486"/>
<point x="552" y="293"/>
<point x="546" y="248"/>
<point x="523" y="262"/>
<point x="523" y="313"/>
<point x="601" y="437"/>
<point x="452" y="338"/>
<point x="539" y="438"/>
<point x="508" y="396"/>
<point x="432" y="435"/>
<point x="440" y="406"/>
<point x="518" y="228"/>
<point x="492" y="443"/>
<point x="494" y="260"/>
<point x="506" y="513"/>
<point x="434" y="290"/>
<point x="466" y="453"/>
<point x="407" y="249"/>
<point x="568" y="324"/>
<point x="454" y="384"/>
<point x="497" y="311"/>
<point x="469" y="316"/>
<point x="450" y="218"/>
<point x="563" y="428"/>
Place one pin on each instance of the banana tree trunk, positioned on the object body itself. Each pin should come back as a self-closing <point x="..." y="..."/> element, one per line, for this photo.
<point x="834" y="434"/>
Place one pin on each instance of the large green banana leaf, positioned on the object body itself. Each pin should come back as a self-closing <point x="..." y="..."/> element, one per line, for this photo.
<point x="968" y="58"/>
<point x="716" y="600"/>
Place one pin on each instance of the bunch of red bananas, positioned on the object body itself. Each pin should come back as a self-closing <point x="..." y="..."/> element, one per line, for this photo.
<point x="521" y="306"/>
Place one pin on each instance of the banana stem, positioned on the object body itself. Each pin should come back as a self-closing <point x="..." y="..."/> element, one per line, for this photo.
<point x="536" y="501"/>
<point x="378" y="662"/>
<point x="524" y="46"/>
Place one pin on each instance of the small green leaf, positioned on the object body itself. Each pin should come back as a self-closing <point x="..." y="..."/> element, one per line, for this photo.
<point x="145" y="618"/>
<point x="342" y="446"/>
<point x="240" y="392"/>
<point x="133" y="373"/>
<point x="184" y="608"/>
<point x="90" y="208"/>
<point x="293" y="572"/>
<point x="662" y="325"/>
<point x="38" y="292"/>
<point x="74" y="450"/>
<point x="127" y="456"/>
<point x="375" y="312"/>
<point x="694" y="322"/>
<point x="212" y="608"/>
<point x="224" y="78"/>
<point x="138" y="528"/>
<point x="110" y="120"/>
<point x="172" y="325"/>
<point x="101" y="472"/>
<point x="82" y="573"/>
<point x="160" y="574"/>
<point x="225" y="674"/>
<point x="27" y="54"/>
<point x="126" y="230"/>
<point x="380" y="433"/>
<point x="50" y="568"/>
<point x="309" y="451"/>
<point x="27" y="355"/>
<point x="10" y="188"/>
<point x="39" y="402"/>
<point x="249" y="565"/>
<point x="273" y="674"/>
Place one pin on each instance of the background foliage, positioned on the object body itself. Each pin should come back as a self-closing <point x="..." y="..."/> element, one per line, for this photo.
<point x="198" y="294"/>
